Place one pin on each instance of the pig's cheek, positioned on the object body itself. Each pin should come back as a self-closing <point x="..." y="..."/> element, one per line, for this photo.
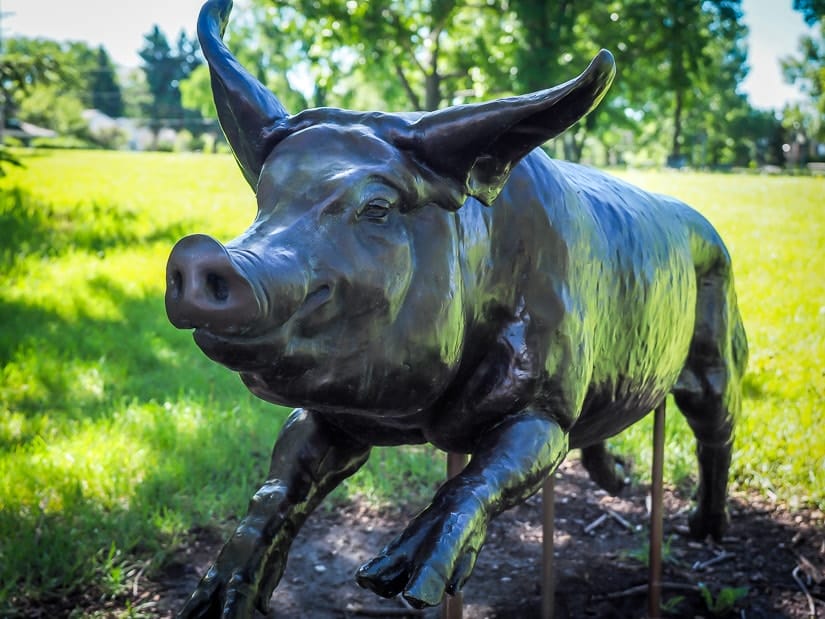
<point x="383" y="269"/>
<point x="400" y="278"/>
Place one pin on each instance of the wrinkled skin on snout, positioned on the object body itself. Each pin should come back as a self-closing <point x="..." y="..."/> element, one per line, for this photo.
<point x="416" y="278"/>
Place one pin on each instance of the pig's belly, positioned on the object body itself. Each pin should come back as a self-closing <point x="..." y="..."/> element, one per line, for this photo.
<point x="610" y="409"/>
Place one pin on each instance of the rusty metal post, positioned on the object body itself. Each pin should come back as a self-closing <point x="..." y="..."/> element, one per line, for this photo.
<point x="452" y="605"/>
<point x="654" y="587"/>
<point x="548" y="575"/>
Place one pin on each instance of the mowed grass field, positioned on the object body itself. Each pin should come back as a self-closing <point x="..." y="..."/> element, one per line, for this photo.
<point x="117" y="436"/>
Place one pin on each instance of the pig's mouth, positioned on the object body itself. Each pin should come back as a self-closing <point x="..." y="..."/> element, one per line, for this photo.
<point x="213" y="341"/>
<point x="314" y="300"/>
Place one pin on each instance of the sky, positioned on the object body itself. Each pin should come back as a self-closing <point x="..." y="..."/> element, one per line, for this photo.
<point x="119" y="26"/>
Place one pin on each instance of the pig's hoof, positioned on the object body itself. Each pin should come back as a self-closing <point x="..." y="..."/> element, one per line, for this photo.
<point x="205" y="601"/>
<point x="229" y="594"/>
<point x="605" y="470"/>
<point x="701" y="525"/>
<point x="435" y="555"/>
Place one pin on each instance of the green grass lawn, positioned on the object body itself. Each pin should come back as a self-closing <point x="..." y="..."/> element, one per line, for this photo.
<point x="117" y="435"/>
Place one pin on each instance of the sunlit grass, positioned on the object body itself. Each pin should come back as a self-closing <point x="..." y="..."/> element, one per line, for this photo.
<point x="115" y="432"/>
<point x="117" y="435"/>
<point x="775" y="230"/>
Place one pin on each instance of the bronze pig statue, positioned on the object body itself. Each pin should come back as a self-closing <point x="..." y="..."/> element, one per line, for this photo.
<point x="435" y="277"/>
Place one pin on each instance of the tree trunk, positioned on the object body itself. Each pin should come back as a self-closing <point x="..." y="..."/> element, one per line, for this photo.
<point x="676" y="152"/>
<point x="432" y="94"/>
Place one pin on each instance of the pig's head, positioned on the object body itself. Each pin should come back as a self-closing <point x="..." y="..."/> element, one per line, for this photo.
<point x="346" y="292"/>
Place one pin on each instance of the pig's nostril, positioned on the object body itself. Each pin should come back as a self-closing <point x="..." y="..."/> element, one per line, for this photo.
<point x="217" y="286"/>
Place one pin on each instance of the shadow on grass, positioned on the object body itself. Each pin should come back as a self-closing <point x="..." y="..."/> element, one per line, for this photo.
<point x="193" y="443"/>
<point x="132" y="377"/>
<point x="34" y="227"/>
<point x="752" y="388"/>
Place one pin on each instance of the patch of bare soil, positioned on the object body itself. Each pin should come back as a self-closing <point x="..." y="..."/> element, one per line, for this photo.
<point x="773" y="557"/>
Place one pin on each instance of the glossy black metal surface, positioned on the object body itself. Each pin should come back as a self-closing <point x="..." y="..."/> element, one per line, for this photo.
<point x="432" y="277"/>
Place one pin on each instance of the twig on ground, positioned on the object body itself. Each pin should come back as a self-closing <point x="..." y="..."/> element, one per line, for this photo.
<point x="619" y="519"/>
<point x="698" y="566"/>
<point x="137" y="579"/>
<point x="669" y="586"/>
<point x="809" y="569"/>
<point x="595" y="524"/>
<point x="811" y="604"/>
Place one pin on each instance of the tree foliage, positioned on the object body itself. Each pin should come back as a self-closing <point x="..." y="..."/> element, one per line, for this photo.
<point x="165" y="68"/>
<point x="86" y="74"/>
<point x="19" y="73"/>
<point x="680" y="63"/>
<point x="812" y="10"/>
<point x="807" y="71"/>
<point x="105" y="90"/>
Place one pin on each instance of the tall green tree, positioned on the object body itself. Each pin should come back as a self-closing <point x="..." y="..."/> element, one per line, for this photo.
<point x="806" y="70"/>
<point x="165" y="68"/>
<point x="106" y="95"/>
<point x="698" y="40"/>
<point x="679" y="65"/>
<point x="550" y="51"/>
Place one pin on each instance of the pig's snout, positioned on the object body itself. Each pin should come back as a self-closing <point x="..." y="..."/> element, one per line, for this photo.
<point x="205" y="289"/>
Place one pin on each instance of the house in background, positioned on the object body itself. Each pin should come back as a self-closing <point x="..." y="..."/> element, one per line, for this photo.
<point x="137" y="136"/>
<point x="25" y="132"/>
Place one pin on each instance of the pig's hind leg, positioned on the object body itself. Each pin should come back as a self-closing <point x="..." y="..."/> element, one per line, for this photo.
<point x="708" y="393"/>
<point x="604" y="469"/>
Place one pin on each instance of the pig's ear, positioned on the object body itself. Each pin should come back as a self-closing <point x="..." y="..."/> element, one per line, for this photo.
<point x="477" y="145"/>
<point x="249" y="113"/>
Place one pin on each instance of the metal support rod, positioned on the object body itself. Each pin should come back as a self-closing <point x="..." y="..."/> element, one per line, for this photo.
<point x="548" y="575"/>
<point x="654" y="588"/>
<point x="452" y="605"/>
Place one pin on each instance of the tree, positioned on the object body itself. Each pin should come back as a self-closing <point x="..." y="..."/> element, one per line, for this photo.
<point x="679" y="63"/>
<point x="165" y="68"/>
<point x="807" y="71"/>
<point x="689" y="45"/>
<point x="196" y="93"/>
<point x="550" y="53"/>
<point x="105" y="89"/>
<point x="410" y="54"/>
<point x="85" y="73"/>
<point x="679" y="66"/>
<point x="135" y="92"/>
<point x="49" y="105"/>
<point x="48" y="83"/>
<point x="20" y="70"/>
<point x="812" y="10"/>
<point x="19" y="73"/>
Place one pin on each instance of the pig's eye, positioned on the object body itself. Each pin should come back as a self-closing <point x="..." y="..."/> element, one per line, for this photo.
<point x="376" y="209"/>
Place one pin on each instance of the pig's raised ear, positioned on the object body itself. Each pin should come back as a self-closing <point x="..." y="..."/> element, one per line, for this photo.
<point x="477" y="145"/>
<point x="248" y="112"/>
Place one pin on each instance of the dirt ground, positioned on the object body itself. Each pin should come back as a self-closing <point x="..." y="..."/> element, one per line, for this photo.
<point x="775" y="556"/>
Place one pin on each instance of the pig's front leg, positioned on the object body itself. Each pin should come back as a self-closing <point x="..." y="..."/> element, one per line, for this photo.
<point x="307" y="462"/>
<point x="437" y="551"/>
